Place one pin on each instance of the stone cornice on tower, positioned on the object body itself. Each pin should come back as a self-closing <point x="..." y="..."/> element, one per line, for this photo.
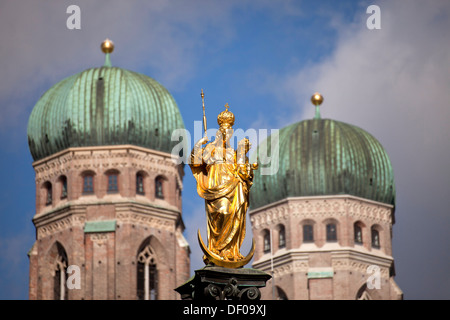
<point x="321" y="207"/>
<point x="292" y="261"/>
<point x="73" y="162"/>
<point x="116" y="156"/>
<point x="74" y="215"/>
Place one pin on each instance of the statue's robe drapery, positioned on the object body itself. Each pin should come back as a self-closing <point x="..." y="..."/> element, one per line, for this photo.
<point x="224" y="185"/>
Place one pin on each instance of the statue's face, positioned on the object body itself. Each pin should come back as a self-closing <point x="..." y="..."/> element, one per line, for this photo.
<point x="223" y="133"/>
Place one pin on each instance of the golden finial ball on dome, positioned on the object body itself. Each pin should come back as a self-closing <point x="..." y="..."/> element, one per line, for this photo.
<point x="317" y="99"/>
<point x="107" y="46"/>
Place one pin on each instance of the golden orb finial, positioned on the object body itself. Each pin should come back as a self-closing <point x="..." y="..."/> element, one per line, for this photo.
<point x="107" y="46"/>
<point x="317" y="99"/>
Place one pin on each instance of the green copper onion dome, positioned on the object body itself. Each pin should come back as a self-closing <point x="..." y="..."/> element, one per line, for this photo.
<point x="320" y="157"/>
<point x="103" y="106"/>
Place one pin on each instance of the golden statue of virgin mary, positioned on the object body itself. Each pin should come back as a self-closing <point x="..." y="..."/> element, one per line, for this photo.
<point x="224" y="178"/>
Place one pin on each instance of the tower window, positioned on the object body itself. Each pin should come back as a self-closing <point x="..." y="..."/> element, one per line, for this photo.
<point x="159" y="192"/>
<point x="375" y="238"/>
<point x="49" y="194"/>
<point x="63" y="187"/>
<point x="331" y="232"/>
<point x="266" y="241"/>
<point x="60" y="275"/>
<point x="147" y="275"/>
<point x="88" y="184"/>
<point x="281" y="295"/>
<point x="282" y="237"/>
<point x="140" y="183"/>
<point x="358" y="234"/>
<point x="112" y="183"/>
<point x="308" y="233"/>
<point x="178" y="192"/>
<point x="363" y="294"/>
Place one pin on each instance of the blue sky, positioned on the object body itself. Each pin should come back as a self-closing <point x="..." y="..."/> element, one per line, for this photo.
<point x="265" y="58"/>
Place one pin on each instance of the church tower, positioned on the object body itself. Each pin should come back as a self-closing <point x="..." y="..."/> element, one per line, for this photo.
<point x="108" y="193"/>
<point x="323" y="222"/>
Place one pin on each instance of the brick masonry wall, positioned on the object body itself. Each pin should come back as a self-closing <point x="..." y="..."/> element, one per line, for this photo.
<point x="347" y="260"/>
<point x="108" y="260"/>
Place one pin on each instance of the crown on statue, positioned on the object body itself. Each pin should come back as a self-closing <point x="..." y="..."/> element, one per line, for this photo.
<point x="226" y="118"/>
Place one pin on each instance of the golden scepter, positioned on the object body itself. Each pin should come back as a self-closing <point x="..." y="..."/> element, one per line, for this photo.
<point x="204" y="116"/>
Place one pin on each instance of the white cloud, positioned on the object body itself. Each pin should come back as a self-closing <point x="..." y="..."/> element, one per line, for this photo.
<point x="38" y="50"/>
<point x="387" y="76"/>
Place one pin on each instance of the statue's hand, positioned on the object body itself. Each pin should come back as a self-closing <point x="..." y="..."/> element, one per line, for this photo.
<point x="203" y="140"/>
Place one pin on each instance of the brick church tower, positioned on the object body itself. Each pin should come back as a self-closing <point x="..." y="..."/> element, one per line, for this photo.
<point x="108" y="193"/>
<point x="323" y="222"/>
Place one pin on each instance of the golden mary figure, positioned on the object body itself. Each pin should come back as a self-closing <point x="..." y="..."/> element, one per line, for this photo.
<point x="224" y="178"/>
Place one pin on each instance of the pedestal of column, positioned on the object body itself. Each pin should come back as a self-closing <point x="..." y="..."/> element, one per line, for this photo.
<point x="218" y="283"/>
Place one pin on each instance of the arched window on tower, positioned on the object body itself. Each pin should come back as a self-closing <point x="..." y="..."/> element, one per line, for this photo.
<point x="331" y="232"/>
<point x="140" y="183"/>
<point x="308" y="233"/>
<point x="178" y="191"/>
<point x="266" y="240"/>
<point x="88" y="183"/>
<point x="362" y="293"/>
<point x="281" y="295"/>
<point x="113" y="184"/>
<point x="375" y="235"/>
<point x="48" y="193"/>
<point x="60" y="291"/>
<point x="357" y="230"/>
<point x="159" y="187"/>
<point x="63" y="181"/>
<point x="281" y="236"/>
<point x="147" y="275"/>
